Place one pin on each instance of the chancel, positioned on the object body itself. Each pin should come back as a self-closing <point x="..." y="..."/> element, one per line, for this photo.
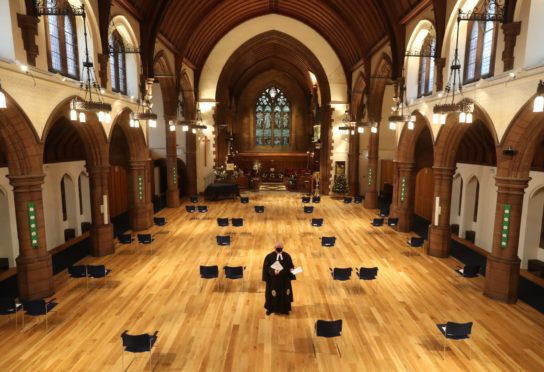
<point x="155" y="144"/>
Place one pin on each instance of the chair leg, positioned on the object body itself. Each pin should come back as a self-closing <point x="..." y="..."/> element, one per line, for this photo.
<point x="313" y="346"/>
<point x="46" y="322"/>
<point x="337" y="348"/>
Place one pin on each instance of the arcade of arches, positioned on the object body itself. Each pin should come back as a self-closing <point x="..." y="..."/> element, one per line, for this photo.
<point x="291" y="93"/>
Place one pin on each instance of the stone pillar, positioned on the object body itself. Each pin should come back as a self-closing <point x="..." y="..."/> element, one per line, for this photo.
<point x="440" y="63"/>
<point x="502" y="269"/>
<point x="140" y="208"/>
<point x="325" y="152"/>
<point x="29" y="30"/>
<point x="353" y="164"/>
<point x="511" y="31"/>
<point x="34" y="267"/>
<point x="371" y="195"/>
<point x="395" y="198"/>
<point x="440" y="234"/>
<point x="405" y="195"/>
<point x="101" y="229"/>
<point x="172" y="190"/>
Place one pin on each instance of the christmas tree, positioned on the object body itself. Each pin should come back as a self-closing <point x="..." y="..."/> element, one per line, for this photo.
<point x="340" y="185"/>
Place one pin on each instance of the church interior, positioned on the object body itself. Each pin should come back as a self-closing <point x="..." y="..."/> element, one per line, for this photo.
<point x="152" y="153"/>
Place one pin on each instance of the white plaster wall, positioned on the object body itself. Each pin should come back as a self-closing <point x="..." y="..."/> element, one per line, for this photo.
<point x="54" y="225"/>
<point x="205" y="166"/>
<point x="157" y="136"/>
<point x="7" y="29"/>
<point x="10" y="244"/>
<point x="531" y="220"/>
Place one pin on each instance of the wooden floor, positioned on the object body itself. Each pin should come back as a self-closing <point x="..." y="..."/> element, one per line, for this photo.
<point x="219" y="325"/>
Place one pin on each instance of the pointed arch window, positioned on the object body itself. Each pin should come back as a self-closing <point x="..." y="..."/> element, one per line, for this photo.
<point x="426" y="67"/>
<point x="118" y="64"/>
<point x="480" y="47"/>
<point x="272" y="118"/>
<point x="62" y="44"/>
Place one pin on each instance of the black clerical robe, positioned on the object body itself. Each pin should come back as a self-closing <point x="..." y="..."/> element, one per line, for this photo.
<point x="279" y="293"/>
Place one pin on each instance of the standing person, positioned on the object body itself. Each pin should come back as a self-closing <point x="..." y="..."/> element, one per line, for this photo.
<point x="277" y="274"/>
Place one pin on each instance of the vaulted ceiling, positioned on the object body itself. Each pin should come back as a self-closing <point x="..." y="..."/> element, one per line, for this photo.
<point x="352" y="27"/>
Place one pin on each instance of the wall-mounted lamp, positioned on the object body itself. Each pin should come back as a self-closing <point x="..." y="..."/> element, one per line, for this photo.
<point x="538" y="104"/>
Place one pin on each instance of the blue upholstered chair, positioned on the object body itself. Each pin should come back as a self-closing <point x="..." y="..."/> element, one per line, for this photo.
<point x="125" y="238"/>
<point x="384" y="212"/>
<point x="469" y="271"/>
<point x="202" y="208"/>
<point x="393" y="221"/>
<point x="339" y="273"/>
<point x="222" y="222"/>
<point x="8" y="306"/>
<point x="259" y="208"/>
<point x="368" y="273"/>
<point x="317" y="222"/>
<point x="305" y="199"/>
<point x="358" y="199"/>
<point x="416" y="241"/>
<point x="144" y="238"/>
<point x="244" y="199"/>
<point x="38" y="308"/>
<point x="308" y="209"/>
<point x="190" y="208"/>
<point x="328" y="241"/>
<point x="348" y="199"/>
<point x="237" y="222"/>
<point x="234" y="272"/>
<point x="137" y="344"/>
<point x="223" y="239"/>
<point x="328" y="329"/>
<point x="377" y="222"/>
<point x="97" y="272"/>
<point x="193" y="199"/>
<point x="316" y="199"/>
<point x="209" y="272"/>
<point x="159" y="221"/>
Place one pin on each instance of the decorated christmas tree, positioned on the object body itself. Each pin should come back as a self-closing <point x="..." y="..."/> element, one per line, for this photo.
<point x="340" y="185"/>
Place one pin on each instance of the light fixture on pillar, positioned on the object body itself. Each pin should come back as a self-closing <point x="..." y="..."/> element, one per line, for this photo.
<point x="145" y="106"/>
<point x="180" y="117"/>
<point x="374" y="128"/>
<point x="171" y="125"/>
<point x="397" y="115"/>
<point x="348" y="125"/>
<point x="538" y="104"/>
<point x="93" y="100"/>
<point x="2" y="99"/>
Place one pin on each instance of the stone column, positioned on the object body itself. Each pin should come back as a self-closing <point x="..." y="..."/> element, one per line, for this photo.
<point x="325" y="152"/>
<point x="29" y="30"/>
<point x="172" y="190"/>
<point x="140" y="208"/>
<point x="101" y="229"/>
<point x="502" y="269"/>
<point x="353" y="164"/>
<point x="440" y="234"/>
<point x="371" y="195"/>
<point x="405" y="195"/>
<point x="511" y="31"/>
<point x="34" y="267"/>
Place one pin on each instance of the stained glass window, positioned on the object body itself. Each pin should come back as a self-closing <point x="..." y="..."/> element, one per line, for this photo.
<point x="272" y="118"/>
<point x="62" y="44"/>
<point x="118" y="64"/>
<point x="426" y="67"/>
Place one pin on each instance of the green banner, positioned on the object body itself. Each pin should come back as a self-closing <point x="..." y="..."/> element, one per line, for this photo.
<point x="175" y="175"/>
<point x="403" y="189"/>
<point x="140" y="188"/>
<point x="369" y="176"/>
<point x="505" y="225"/>
<point x="33" y="224"/>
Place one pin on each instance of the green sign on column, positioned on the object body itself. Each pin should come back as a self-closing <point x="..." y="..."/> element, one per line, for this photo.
<point x="505" y="225"/>
<point x="175" y="175"/>
<point x="140" y="188"/>
<point x="33" y="225"/>
<point x="369" y="176"/>
<point x="403" y="189"/>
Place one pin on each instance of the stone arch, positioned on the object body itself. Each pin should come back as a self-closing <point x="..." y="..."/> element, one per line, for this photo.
<point x="92" y="133"/>
<point x="358" y="103"/>
<point x="20" y="140"/>
<point x="451" y="134"/>
<point x="382" y="72"/>
<point x="408" y="138"/>
<point x="524" y="134"/>
<point x="134" y="136"/>
<point x="167" y="82"/>
<point x="189" y="105"/>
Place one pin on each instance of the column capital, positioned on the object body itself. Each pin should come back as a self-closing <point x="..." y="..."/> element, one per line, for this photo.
<point x="511" y="185"/>
<point x="26" y="182"/>
<point x="98" y="168"/>
<point x="406" y="166"/>
<point x="137" y="164"/>
<point x="443" y="172"/>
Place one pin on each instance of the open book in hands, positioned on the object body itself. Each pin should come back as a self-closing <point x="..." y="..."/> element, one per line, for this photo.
<point x="277" y="266"/>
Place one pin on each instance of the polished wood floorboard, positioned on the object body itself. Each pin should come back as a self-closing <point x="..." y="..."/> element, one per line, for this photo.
<point x="220" y="325"/>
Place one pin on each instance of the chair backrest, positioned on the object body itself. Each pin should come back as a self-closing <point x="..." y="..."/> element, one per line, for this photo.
<point x="358" y="199"/>
<point x="7" y="304"/>
<point x="190" y="208"/>
<point x="77" y="271"/>
<point x="368" y="273"/>
<point x="223" y="239"/>
<point x="234" y="272"/>
<point x="384" y="212"/>
<point x="159" y="221"/>
<point x="138" y="343"/>
<point x="305" y="199"/>
<point x="202" y="208"/>
<point x="222" y="221"/>
<point x="208" y="272"/>
<point x="316" y="199"/>
<point x="317" y="221"/>
<point x="96" y="271"/>
<point x="377" y="222"/>
<point x="458" y="330"/>
<point x="471" y="271"/>
<point x="393" y="221"/>
<point x="328" y="328"/>
<point x="237" y="222"/>
<point x="259" y="208"/>
<point x="416" y="241"/>
<point x="244" y="199"/>
<point x="348" y="199"/>
<point x="339" y="273"/>
<point x="328" y="241"/>
<point x="144" y="238"/>
<point x="194" y="199"/>
<point x="125" y="238"/>
<point x="308" y="209"/>
<point x="34" y="307"/>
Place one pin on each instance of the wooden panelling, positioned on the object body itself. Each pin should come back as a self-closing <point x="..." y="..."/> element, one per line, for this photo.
<point x="386" y="173"/>
<point x="424" y="193"/>
<point x="278" y="161"/>
<point x="118" y="190"/>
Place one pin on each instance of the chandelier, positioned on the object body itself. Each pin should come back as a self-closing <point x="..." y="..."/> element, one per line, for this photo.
<point x="185" y="124"/>
<point x="538" y="104"/>
<point x="348" y="124"/>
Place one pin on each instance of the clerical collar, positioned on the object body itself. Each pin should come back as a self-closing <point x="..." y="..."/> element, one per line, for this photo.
<point x="279" y="257"/>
